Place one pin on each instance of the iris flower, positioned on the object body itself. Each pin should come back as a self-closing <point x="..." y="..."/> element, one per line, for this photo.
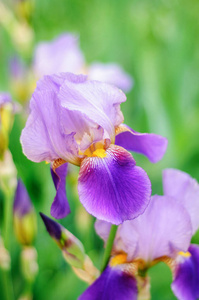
<point x="162" y="233"/>
<point x="78" y="121"/>
<point x="63" y="54"/>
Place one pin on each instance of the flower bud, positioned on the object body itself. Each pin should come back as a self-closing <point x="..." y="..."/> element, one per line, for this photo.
<point x="8" y="173"/>
<point x="25" y="224"/>
<point x="29" y="263"/>
<point x="4" y="257"/>
<point x="7" y="110"/>
<point x="72" y="248"/>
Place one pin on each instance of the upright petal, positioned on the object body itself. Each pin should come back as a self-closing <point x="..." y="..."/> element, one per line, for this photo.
<point x="99" y="101"/>
<point x="112" y="188"/>
<point x="43" y="138"/>
<point x="185" y="190"/>
<point x="113" y="284"/>
<point x="111" y="73"/>
<point x="60" y="207"/>
<point x="60" y="55"/>
<point x="151" y="145"/>
<point x="163" y="229"/>
<point x="186" y="275"/>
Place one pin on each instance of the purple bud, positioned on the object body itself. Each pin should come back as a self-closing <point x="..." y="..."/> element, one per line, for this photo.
<point x="53" y="228"/>
<point x="22" y="204"/>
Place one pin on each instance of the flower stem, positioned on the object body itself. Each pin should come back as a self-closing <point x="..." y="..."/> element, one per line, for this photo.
<point x="7" y="218"/>
<point x="7" y="285"/>
<point x="109" y="246"/>
<point x="6" y="274"/>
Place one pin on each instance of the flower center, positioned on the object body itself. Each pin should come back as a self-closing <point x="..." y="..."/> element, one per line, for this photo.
<point x="184" y="254"/>
<point x="100" y="153"/>
<point x="118" y="260"/>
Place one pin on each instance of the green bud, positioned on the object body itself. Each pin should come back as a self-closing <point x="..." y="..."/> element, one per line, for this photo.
<point x="25" y="227"/>
<point x="4" y="257"/>
<point x="29" y="263"/>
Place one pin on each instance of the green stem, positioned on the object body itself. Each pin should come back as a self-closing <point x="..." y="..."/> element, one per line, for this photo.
<point x="109" y="246"/>
<point x="7" y="285"/>
<point x="7" y="218"/>
<point x="6" y="274"/>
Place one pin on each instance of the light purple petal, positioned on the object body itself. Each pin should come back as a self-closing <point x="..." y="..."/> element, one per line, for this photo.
<point x="72" y="121"/>
<point x="60" y="207"/>
<point x="44" y="138"/>
<point x="22" y="203"/>
<point x="113" y="188"/>
<point x="186" y="276"/>
<point x="163" y="229"/>
<point x="60" y="55"/>
<point x="103" y="228"/>
<point x="151" y="145"/>
<point x="185" y="190"/>
<point x="99" y="101"/>
<point x="111" y="73"/>
<point x="113" y="284"/>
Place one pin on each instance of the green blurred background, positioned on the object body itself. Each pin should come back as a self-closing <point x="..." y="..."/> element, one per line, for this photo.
<point x="157" y="43"/>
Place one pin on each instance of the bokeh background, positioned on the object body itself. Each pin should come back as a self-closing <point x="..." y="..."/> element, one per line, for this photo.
<point x="157" y="42"/>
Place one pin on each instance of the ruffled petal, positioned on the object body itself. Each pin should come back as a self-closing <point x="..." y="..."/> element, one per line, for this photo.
<point x="151" y="145"/>
<point x="60" y="55"/>
<point x="185" y="190"/>
<point x="98" y="101"/>
<point x="60" y="206"/>
<point x="113" y="284"/>
<point x="186" y="275"/>
<point x="112" y="188"/>
<point x="43" y="138"/>
<point x="111" y="73"/>
<point x="162" y="230"/>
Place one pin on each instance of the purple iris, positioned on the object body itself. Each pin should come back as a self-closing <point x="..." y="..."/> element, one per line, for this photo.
<point x="63" y="54"/>
<point x="60" y="55"/>
<point x="78" y="121"/>
<point x="162" y="233"/>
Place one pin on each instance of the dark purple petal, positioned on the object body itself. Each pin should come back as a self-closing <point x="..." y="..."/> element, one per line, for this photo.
<point x="186" y="276"/>
<point x="151" y="145"/>
<point x="53" y="228"/>
<point x="113" y="284"/>
<point x="111" y="73"/>
<point x="60" y="207"/>
<point x="22" y="204"/>
<point x="113" y="188"/>
<point x="185" y="190"/>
